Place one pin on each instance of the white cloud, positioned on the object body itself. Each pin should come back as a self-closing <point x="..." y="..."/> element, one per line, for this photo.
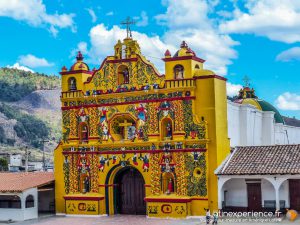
<point x="19" y="67"/>
<point x="92" y="14"/>
<point x="233" y="89"/>
<point x="82" y="47"/>
<point x="103" y="40"/>
<point x="34" y="13"/>
<point x="33" y="61"/>
<point x="185" y="20"/>
<point x="188" y="20"/>
<point x="142" y="20"/>
<point x="276" y="19"/>
<point x="288" y="101"/>
<point x="289" y="55"/>
<point x="111" y="13"/>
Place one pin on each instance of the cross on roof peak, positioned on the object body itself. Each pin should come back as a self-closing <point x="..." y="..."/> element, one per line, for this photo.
<point x="128" y="22"/>
<point x="246" y="80"/>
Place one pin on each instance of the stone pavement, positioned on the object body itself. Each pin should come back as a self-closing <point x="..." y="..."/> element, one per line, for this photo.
<point x="132" y="220"/>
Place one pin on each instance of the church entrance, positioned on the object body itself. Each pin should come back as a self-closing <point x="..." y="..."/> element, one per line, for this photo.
<point x="130" y="192"/>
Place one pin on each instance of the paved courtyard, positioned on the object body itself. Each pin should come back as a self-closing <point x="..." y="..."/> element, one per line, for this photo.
<point x="130" y="220"/>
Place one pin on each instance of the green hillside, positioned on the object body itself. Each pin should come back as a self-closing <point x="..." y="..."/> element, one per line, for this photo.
<point x="29" y="128"/>
<point x="15" y="84"/>
<point x="29" y="112"/>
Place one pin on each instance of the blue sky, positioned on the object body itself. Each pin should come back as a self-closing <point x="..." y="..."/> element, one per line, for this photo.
<point x="259" y="39"/>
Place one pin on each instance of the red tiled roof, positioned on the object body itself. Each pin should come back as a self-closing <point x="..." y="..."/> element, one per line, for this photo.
<point x="18" y="182"/>
<point x="251" y="160"/>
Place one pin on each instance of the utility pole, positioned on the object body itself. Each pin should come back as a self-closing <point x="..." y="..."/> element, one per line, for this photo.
<point x="44" y="163"/>
<point x="26" y="159"/>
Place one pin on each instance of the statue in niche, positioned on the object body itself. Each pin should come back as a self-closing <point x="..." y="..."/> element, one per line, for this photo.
<point x="84" y="133"/>
<point x="178" y="70"/>
<point x="170" y="187"/>
<point x="141" y="133"/>
<point x="86" y="185"/>
<point x="131" y="133"/>
<point x="169" y="130"/>
<point x="126" y="76"/>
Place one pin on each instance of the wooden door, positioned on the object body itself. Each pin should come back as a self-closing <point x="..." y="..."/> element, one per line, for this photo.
<point x="254" y="196"/>
<point x="294" y="188"/>
<point x="132" y="193"/>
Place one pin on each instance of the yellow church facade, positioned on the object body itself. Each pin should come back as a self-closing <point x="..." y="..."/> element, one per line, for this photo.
<point x="139" y="142"/>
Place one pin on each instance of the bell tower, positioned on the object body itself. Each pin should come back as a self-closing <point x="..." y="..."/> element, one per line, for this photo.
<point x="183" y="64"/>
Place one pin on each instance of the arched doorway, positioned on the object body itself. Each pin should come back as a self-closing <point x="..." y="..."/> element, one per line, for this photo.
<point x="129" y="193"/>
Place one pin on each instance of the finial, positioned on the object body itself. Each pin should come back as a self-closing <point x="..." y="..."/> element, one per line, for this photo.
<point x="167" y="53"/>
<point x="246" y="80"/>
<point x="64" y="68"/>
<point x="183" y="45"/>
<point x="79" y="56"/>
<point x="128" y="22"/>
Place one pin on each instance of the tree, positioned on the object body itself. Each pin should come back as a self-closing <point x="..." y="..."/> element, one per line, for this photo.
<point x="3" y="164"/>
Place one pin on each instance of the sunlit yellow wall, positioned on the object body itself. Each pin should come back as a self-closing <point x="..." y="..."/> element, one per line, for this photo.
<point x="211" y="104"/>
<point x="59" y="180"/>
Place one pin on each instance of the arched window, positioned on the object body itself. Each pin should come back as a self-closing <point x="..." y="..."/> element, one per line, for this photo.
<point x="123" y="75"/>
<point x="197" y="66"/>
<point x="166" y="129"/>
<point x="83" y="132"/>
<point x="72" y="84"/>
<point x="178" y="72"/>
<point x="10" y="201"/>
<point x="168" y="183"/>
<point x="29" y="201"/>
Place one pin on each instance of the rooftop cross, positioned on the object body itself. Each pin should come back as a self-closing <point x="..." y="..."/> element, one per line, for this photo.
<point x="128" y="22"/>
<point x="246" y="80"/>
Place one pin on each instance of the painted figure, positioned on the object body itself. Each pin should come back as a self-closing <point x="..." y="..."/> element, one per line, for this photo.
<point x="145" y="160"/>
<point x="82" y="115"/>
<point x="165" y="107"/>
<point x="141" y="112"/>
<point x="195" y="156"/>
<point x="102" y="161"/>
<point x="103" y="116"/>
<point x="106" y="134"/>
<point x="114" y="159"/>
<point x="134" y="159"/>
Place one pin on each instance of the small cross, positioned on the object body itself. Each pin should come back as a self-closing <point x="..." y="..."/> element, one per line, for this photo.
<point x="126" y="126"/>
<point x="128" y="22"/>
<point x="246" y="80"/>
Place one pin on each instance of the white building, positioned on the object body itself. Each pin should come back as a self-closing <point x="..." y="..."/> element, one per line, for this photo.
<point x="24" y="195"/>
<point x="255" y="122"/>
<point x="256" y="178"/>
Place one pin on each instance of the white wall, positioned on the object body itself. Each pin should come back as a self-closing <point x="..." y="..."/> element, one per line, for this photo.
<point x="22" y="213"/>
<point x="237" y="192"/>
<point x="248" y="126"/>
<point x="267" y="191"/>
